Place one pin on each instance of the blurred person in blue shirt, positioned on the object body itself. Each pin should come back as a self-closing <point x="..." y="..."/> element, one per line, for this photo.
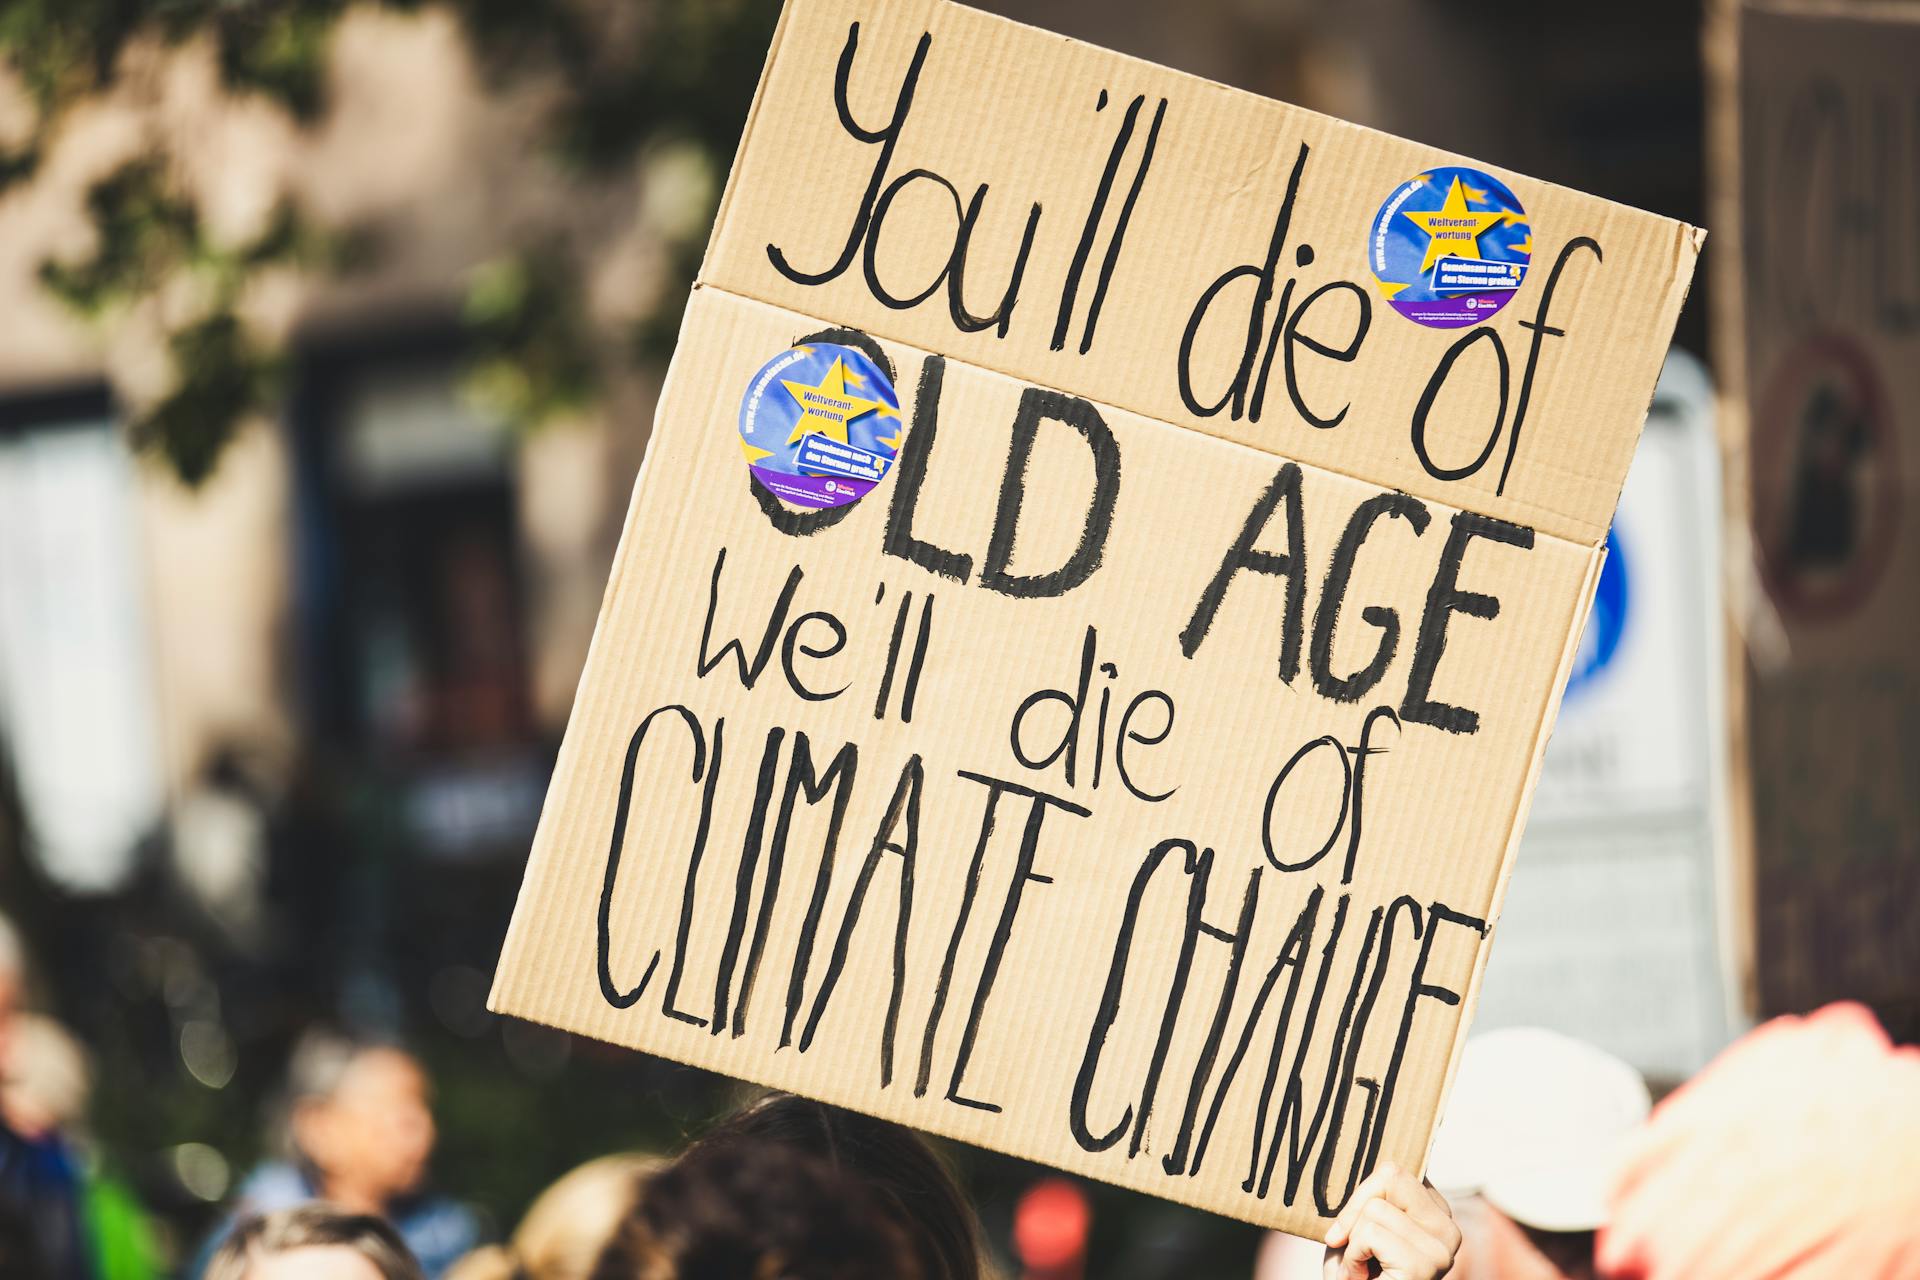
<point x="47" y="1081"/>
<point x="360" y="1133"/>
<point x="40" y="1205"/>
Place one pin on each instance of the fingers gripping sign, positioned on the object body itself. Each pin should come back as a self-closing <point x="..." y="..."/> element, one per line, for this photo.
<point x="1395" y="1226"/>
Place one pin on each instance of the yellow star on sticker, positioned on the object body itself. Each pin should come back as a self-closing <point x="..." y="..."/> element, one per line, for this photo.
<point x="1454" y="231"/>
<point x="827" y="407"/>
<point x="754" y="452"/>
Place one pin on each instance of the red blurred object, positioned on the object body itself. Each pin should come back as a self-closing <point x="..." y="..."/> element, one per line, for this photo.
<point x="1050" y="1227"/>
<point x="1794" y="1156"/>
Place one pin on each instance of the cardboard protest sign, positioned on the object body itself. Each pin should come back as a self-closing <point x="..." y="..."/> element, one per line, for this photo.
<point x="1827" y="304"/>
<point x="1102" y="576"/>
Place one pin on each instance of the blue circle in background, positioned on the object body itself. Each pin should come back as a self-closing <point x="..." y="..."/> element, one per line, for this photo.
<point x="1606" y="623"/>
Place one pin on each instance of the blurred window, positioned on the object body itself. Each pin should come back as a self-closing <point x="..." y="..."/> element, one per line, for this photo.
<point x="414" y="602"/>
<point x="77" y="722"/>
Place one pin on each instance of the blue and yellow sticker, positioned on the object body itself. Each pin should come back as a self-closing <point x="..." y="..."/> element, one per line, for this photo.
<point x="1449" y="247"/>
<point x="820" y="425"/>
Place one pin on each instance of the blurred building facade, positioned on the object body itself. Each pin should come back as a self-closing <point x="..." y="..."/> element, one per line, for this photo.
<point x="272" y="745"/>
<point x="384" y="568"/>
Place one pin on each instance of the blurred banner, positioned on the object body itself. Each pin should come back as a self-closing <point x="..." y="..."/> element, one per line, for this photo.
<point x="1828" y="196"/>
<point x="1614" y="927"/>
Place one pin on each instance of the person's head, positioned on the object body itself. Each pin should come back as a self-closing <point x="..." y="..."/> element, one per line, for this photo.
<point x="313" y="1242"/>
<point x="45" y="1078"/>
<point x="565" y="1231"/>
<point x="909" y="1180"/>
<point x="812" y="1191"/>
<point x="1533" y="1131"/>
<point x="744" y="1210"/>
<point x="360" y="1118"/>
<point x="1536" y="1125"/>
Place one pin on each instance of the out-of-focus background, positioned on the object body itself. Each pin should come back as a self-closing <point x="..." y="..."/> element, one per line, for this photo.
<point x="329" y="338"/>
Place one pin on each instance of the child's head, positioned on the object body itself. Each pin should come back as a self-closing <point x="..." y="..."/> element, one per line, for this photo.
<point x="313" y="1242"/>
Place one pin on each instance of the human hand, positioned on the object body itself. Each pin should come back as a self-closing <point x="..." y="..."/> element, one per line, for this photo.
<point x="1397" y="1222"/>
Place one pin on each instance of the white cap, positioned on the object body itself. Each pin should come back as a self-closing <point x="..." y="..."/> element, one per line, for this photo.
<point x="1536" y="1124"/>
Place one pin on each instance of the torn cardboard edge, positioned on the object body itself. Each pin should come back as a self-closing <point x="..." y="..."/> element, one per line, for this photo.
<point x="1523" y="806"/>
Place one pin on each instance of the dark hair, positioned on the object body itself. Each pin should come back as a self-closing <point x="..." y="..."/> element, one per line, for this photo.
<point x="825" y="1193"/>
<point x="744" y="1211"/>
<point x="312" y="1226"/>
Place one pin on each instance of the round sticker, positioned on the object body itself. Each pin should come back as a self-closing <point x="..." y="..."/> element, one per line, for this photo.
<point x="1449" y="247"/>
<point x="820" y="425"/>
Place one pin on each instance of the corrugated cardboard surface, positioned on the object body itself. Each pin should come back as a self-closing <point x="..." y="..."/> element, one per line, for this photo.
<point x="1013" y="108"/>
<point x="1222" y="1103"/>
<point x="1830" y="197"/>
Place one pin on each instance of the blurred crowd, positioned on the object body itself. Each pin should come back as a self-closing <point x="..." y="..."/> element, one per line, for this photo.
<point x="1796" y="1155"/>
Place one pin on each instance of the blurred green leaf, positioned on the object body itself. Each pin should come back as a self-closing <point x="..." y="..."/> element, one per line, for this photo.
<point x="629" y="75"/>
<point x="222" y="379"/>
<point x="280" y="50"/>
<point x="144" y="232"/>
<point x="532" y="352"/>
